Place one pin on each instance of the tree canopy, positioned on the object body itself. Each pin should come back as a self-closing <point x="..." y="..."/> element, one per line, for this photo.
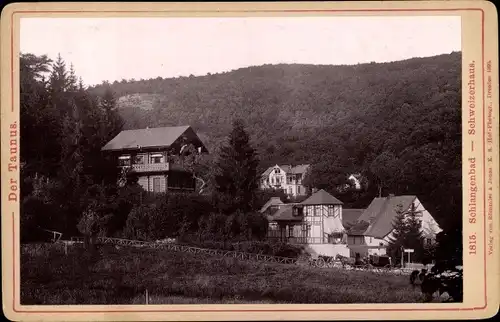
<point x="396" y="124"/>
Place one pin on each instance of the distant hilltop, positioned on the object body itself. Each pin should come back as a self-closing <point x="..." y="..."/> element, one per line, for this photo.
<point x="290" y="108"/>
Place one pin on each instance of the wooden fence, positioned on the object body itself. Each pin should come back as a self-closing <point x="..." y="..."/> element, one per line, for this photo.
<point x="321" y="263"/>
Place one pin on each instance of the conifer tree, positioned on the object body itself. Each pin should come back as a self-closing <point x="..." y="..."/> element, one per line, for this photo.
<point x="236" y="180"/>
<point x="113" y="123"/>
<point x="407" y="233"/>
<point x="397" y="240"/>
<point x="72" y="79"/>
<point x="59" y="76"/>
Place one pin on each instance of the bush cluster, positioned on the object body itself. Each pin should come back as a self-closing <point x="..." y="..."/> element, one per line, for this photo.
<point x="264" y="247"/>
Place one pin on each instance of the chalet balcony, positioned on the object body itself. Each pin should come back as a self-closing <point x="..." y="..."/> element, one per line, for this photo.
<point x="151" y="167"/>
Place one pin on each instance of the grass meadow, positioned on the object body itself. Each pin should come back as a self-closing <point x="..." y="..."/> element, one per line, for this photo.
<point x="122" y="276"/>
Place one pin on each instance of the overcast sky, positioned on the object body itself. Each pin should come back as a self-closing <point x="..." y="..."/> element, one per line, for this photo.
<point x="116" y="48"/>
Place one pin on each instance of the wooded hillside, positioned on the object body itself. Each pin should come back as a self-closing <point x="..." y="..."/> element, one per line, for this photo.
<point x="398" y="124"/>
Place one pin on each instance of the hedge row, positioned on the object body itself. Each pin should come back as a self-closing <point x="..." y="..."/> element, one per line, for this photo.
<point x="265" y="247"/>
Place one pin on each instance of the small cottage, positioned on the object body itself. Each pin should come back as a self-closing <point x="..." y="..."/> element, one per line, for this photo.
<point x="371" y="233"/>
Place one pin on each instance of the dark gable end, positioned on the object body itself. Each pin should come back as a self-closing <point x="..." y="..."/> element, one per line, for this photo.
<point x="190" y="136"/>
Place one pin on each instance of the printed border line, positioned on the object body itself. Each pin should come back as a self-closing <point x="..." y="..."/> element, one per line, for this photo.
<point x="262" y="310"/>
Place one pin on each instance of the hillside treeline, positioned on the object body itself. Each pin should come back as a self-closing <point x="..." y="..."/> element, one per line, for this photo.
<point x="397" y="124"/>
<point x="70" y="186"/>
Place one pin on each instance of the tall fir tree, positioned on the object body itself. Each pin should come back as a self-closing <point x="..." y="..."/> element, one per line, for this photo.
<point x="415" y="239"/>
<point x="59" y="76"/>
<point x="407" y="233"/>
<point x="397" y="240"/>
<point x="113" y="123"/>
<point x="72" y="83"/>
<point x="236" y="180"/>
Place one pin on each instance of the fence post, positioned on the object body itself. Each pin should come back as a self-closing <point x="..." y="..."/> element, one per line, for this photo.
<point x="147" y="297"/>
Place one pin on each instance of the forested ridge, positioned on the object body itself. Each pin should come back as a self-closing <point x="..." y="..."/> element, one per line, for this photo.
<point x="398" y="124"/>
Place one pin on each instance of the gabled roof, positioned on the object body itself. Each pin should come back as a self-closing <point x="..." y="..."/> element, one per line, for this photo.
<point x="267" y="172"/>
<point x="380" y="215"/>
<point x="286" y="168"/>
<point x="274" y="201"/>
<point x="321" y="197"/>
<point x="298" y="169"/>
<point x="144" y="138"/>
<point x="285" y="213"/>
<point x="350" y="216"/>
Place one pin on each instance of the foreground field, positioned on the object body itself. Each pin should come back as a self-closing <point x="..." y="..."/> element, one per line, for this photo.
<point x="122" y="276"/>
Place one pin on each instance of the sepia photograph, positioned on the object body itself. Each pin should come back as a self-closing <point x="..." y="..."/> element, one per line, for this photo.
<point x="199" y="160"/>
<point x="240" y="160"/>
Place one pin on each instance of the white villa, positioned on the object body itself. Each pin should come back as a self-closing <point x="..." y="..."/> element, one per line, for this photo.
<point x="287" y="178"/>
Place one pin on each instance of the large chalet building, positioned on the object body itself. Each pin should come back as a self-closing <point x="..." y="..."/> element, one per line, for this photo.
<point x="287" y="178"/>
<point x="146" y="154"/>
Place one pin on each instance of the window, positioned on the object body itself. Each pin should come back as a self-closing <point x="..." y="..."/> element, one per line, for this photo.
<point x="329" y="212"/>
<point x="139" y="159"/>
<point x="298" y="190"/>
<point x="124" y="160"/>
<point x="276" y="170"/>
<point x="290" y="190"/>
<point x="290" y="231"/>
<point x="156" y="184"/>
<point x="305" y="230"/>
<point x="156" y="158"/>
<point x="336" y="211"/>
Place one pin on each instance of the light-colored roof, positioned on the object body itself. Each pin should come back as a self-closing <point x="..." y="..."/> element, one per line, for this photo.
<point x="350" y="216"/>
<point x="381" y="213"/>
<point x="321" y="197"/>
<point x="274" y="201"/>
<point x="144" y="138"/>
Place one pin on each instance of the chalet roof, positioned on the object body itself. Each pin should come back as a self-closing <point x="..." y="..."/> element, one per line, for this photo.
<point x="321" y="198"/>
<point x="274" y="201"/>
<point x="380" y="215"/>
<point x="285" y="213"/>
<point x="298" y="169"/>
<point x="350" y="216"/>
<point x="267" y="172"/>
<point x="149" y="137"/>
